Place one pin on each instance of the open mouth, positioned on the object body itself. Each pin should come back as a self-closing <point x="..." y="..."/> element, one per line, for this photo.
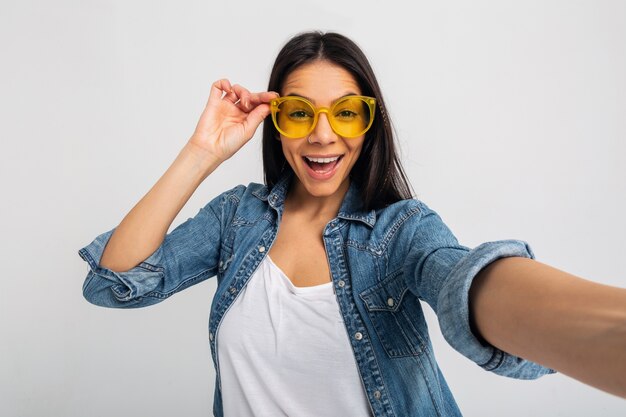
<point x="322" y="165"/>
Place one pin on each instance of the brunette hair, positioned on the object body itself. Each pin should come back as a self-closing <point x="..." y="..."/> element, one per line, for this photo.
<point x="378" y="172"/>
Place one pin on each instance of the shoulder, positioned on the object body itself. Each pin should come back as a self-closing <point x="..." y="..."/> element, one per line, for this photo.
<point x="412" y="210"/>
<point x="243" y="192"/>
<point x="240" y="200"/>
<point x="410" y="219"/>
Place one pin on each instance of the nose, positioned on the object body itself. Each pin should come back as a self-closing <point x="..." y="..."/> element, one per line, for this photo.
<point x="323" y="132"/>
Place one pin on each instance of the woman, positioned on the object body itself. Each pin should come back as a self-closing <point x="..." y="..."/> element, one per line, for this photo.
<point x="321" y="270"/>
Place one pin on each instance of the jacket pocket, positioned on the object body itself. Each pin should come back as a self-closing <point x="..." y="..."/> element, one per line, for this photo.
<point x="397" y="316"/>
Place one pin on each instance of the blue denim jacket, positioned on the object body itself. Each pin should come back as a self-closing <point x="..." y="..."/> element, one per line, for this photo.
<point x="382" y="263"/>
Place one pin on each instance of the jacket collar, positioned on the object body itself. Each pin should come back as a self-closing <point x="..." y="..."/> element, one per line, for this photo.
<point x="351" y="207"/>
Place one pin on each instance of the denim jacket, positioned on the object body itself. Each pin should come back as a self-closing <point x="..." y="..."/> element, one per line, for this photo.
<point x="382" y="263"/>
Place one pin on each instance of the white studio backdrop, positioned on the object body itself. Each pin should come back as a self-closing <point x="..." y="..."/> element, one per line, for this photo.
<point x="510" y="119"/>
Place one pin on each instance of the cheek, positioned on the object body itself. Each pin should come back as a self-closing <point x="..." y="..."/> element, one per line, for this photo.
<point x="356" y="149"/>
<point x="284" y="147"/>
<point x="356" y="154"/>
<point x="289" y="151"/>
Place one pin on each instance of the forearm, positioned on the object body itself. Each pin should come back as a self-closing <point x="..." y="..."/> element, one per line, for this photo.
<point x="553" y="318"/>
<point x="143" y="229"/>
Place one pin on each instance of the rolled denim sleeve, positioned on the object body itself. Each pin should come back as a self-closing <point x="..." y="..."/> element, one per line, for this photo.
<point x="189" y="254"/>
<point x="442" y="272"/>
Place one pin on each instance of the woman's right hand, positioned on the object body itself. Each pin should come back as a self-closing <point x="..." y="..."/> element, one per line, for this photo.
<point x="230" y="118"/>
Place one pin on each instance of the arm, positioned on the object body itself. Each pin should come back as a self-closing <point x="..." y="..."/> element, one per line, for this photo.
<point x="440" y="271"/>
<point x="548" y="316"/>
<point x="228" y="121"/>
<point x="143" y="229"/>
<point x="136" y="264"/>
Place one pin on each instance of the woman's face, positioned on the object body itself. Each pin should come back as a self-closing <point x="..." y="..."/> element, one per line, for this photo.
<point x="322" y="83"/>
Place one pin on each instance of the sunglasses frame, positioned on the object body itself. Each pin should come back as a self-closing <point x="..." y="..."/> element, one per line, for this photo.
<point x="274" y="103"/>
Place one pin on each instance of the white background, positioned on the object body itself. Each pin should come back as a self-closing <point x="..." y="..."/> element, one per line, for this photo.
<point x="511" y="123"/>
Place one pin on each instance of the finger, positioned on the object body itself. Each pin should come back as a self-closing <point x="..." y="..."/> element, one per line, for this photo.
<point x="266" y="96"/>
<point x="239" y="90"/>
<point x="263" y="97"/>
<point x="254" y="119"/>
<point x="219" y="88"/>
<point x="229" y="92"/>
<point x="244" y="97"/>
<point x="231" y="96"/>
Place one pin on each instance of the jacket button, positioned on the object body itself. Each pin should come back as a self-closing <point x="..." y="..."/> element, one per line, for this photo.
<point x="377" y="395"/>
<point x="233" y="290"/>
<point x="211" y="336"/>
<point x="261" y="249"/>
<point x="390" y="302"/>
<point x="221" y="264"/>
<point x="341" y="283"/>
<point x="358" y="336"/>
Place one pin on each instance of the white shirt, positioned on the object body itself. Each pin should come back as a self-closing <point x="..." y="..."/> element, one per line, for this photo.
<point x="284" y="351"/>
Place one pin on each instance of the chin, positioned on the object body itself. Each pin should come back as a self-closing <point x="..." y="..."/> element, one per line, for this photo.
<point x="321" y="191"/>
<point x="322" y="188"/>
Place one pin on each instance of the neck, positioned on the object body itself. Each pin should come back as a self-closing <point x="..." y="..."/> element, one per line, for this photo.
<point x="326" y="207"/>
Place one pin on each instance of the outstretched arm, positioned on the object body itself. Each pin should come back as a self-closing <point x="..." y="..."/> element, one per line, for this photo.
<point x="548" y="316"/>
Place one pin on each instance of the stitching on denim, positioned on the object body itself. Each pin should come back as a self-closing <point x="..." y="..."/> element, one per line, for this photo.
<point x="150" y="267"/>
<point x="233" y="197"/>
<point x="500" y="355"/>
<point x="226" y="263"/>
<point x="392" y="352"/>
<point x="407" y="340"/>
<point x="364" y="248"/>
<point x="493" y="354"/>
<point x="374" y="289"/>
<point x="87" y="256"/>
<point x="240" y="221"/>
<point x="261" y="193"/>
<point x="367" y="219"/>
<point x="371" y="307"/>
<point x="430" y="391"/>
<point x="121" y="296"/>
<point x="418" y="334"/>
<point x="396" y="226"/>
<point x="380" y="248"/>
<point x="375" y="312"/>
<point x="183" y="284"/>
<point x="368" y="351"/>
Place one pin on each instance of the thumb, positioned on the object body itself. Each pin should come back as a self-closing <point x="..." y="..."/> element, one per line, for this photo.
<point x="254" y="119"/>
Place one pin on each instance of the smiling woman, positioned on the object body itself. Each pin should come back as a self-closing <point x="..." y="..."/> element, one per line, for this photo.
<point x="336" y="221"/>
<point x="321" y="159"/>
<point x="378" y="170"/>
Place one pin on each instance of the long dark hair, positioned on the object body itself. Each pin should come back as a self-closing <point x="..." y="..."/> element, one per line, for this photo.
<point x="378" y="171"/>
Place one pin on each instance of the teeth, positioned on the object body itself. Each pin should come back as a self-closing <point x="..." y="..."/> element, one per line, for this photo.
<point x="322" y="160"/>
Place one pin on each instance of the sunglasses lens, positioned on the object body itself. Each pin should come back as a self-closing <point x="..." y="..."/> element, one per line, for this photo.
<point x="294" y="118"/>
<point x="351" y="117"/>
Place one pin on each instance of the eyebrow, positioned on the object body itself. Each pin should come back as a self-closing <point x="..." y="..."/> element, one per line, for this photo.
<point x="313" y="101"/>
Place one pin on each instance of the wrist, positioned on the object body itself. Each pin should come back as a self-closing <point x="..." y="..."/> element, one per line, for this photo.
<point x="200" y="160"/>
<point x="202" y="154"/>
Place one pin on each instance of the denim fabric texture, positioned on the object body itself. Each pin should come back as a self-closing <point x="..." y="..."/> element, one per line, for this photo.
<point x="382" y="263"/>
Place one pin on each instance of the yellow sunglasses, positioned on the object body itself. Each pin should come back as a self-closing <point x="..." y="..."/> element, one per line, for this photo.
<point x="349" y="117"/>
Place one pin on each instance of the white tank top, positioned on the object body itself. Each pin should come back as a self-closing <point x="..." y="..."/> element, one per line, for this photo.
<point x="284" y="351"/>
